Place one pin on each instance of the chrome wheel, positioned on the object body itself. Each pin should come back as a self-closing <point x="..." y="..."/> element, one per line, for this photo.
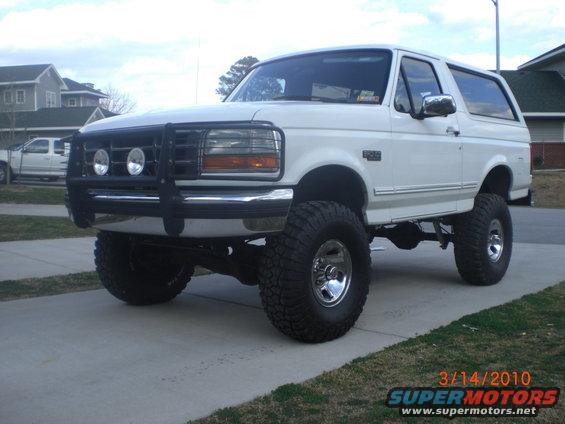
<point x="495" y="240"/>
<point x="331" y="273"/>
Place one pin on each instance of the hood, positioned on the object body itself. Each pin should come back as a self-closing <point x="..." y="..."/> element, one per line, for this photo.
<point x="284" y="114"/>
<point x="214" y="113"/>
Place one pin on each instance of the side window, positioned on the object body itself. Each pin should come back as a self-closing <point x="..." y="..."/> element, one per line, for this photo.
<point x="483" y="95"/>
<point x="401" y="98"/>
<point x="38" y="146"/>
<point x="59" y="147"/>
<point x="420" y="79"/>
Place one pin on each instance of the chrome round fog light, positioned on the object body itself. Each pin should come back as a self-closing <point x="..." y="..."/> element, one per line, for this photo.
<point x="101" y="162"/>
<point x="136" y="161"/>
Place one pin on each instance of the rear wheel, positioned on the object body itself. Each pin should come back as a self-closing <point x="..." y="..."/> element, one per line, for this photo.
<point x="314" y="277"/>
<point x="483" y="241"/>
<point x="138" y="274"/>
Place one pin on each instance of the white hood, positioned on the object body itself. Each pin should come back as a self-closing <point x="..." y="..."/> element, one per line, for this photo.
<point x="215" y="113"/>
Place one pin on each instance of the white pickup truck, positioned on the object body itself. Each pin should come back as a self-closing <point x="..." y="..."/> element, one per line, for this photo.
<point x="40" y="158"/>
<point x="285" y="184"/>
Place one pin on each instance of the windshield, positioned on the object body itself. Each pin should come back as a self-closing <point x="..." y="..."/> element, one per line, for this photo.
<point x="337" y="77"/>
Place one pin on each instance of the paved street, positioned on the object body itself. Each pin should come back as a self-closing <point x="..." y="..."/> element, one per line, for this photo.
<point x="86" y="357"/>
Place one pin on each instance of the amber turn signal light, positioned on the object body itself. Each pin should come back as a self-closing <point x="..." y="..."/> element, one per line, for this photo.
<point x="251" y="163"/>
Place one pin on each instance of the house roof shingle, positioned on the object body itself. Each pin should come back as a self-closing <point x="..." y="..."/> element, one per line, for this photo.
<point x="10" y="74"/>
<point x="537" y="91"/>
<point x="77" y="86"/>
<point x="56" y="117"/>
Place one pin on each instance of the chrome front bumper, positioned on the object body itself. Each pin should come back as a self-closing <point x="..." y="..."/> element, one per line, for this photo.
<point x="203" y="214"/>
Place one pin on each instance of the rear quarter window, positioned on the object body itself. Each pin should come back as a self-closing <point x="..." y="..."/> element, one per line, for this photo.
<point x="483" y="96"/>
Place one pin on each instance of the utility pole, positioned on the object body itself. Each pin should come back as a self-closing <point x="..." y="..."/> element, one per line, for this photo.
<point x="197" y="69"/>
<point x="496" y="3"/>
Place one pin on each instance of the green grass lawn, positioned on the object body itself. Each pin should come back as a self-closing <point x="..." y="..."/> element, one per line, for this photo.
<point x="37" y="227"/>
<point x="47" y="286"/>
<point x="549" y="189"/>
<point x="526" y="334"/>
<point x="15" y="193"/>
<point x="34" y="287"/>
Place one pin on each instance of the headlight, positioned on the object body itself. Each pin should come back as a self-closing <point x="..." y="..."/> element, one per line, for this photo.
<point x="101" y="162"/>
<point x="135" y="161"/>
<point x="241" y="151"/>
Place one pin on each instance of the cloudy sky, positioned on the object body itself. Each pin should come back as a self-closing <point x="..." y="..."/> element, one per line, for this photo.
<point x="151" y="48"/>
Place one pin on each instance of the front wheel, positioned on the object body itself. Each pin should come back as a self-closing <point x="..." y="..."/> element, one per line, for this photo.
<point x="138" y="274"/>
<point x="314" y="277"/>
<point x="483" y="241"/>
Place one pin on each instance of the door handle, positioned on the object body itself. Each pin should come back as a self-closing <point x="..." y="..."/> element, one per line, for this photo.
<point x="451" y="130"/>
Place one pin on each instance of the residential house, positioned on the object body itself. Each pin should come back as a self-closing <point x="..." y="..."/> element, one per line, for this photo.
<point x="77" y="94"/>
<point x="29" y="88"/>
<point x="539" y="87"/>
<point x="35" y="101"/>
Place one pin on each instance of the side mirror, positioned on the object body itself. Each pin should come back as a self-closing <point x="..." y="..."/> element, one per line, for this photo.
<point x="439" y="105"/>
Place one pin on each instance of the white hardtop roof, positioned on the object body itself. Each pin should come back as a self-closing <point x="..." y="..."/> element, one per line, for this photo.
<point x="381" y="47"/>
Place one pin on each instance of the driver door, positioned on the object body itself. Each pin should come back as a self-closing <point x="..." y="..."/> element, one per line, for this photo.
<point x="426" y="152"/>
<point x="36" y="158"/>
<point x="59" y="158"/>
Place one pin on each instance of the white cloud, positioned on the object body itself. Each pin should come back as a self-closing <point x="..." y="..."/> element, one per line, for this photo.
<point x="151" y="48"/>
<point x="488" y="60"/>
<point x="171" y="30"/>
<point x="5" y="4"/>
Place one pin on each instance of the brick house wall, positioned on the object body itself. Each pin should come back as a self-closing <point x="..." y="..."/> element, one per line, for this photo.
<point x="552" y="154"/>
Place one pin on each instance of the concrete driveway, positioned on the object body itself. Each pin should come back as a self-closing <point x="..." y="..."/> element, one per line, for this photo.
<point x="86" y="357"/>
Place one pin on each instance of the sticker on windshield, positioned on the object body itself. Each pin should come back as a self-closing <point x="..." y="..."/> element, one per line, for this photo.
<point x="368" y="96"/>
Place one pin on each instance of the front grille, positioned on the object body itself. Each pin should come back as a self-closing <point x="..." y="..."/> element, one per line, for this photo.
<point x="118" y="147"/>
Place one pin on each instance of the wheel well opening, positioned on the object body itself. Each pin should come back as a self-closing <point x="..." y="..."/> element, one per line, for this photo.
<point x="497" y="182"/>
<point x="333" y="183"/>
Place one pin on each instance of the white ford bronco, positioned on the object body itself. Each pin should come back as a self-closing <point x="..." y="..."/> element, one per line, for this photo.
<point x="287" y="181"/>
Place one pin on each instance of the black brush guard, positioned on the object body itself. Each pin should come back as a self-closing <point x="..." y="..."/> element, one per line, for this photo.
<point x="170" y="206"/>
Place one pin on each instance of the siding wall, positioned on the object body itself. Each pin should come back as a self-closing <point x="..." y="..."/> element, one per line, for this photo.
<point x="48" y="82"/>
<point x="81" y="100"/>
<point x="546" y="130"/>
<point x="29" y="99"/>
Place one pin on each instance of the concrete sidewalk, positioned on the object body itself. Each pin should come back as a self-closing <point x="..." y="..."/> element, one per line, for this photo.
<point x="33" y="210"/>
<point x="44" y="258"/>
<point x="86" y="357"/>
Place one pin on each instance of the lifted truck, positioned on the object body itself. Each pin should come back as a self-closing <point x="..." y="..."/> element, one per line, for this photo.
<point x="314" y="153"/>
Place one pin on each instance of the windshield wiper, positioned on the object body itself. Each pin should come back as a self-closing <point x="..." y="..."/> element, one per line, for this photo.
<point x="312" y="98"/>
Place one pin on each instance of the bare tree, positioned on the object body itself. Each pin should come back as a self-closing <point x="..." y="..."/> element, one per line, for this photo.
<point x="8" y="135"/>
<point x="117" y="101"/>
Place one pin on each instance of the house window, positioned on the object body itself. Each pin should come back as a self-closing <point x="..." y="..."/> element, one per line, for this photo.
<point x="8" y="97"/>
<point x="72" y="102"/>
<point x="20" y="96"/>
<point x="51" y="99"/>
